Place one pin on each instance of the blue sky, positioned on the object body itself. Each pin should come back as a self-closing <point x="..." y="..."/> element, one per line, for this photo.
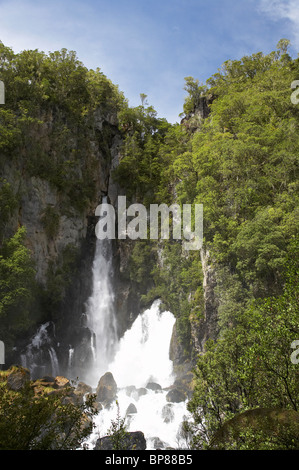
<point x="149" y="46"/>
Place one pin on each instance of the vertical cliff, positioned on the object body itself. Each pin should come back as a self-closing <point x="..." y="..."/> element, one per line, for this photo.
<point x="59" y="143"/>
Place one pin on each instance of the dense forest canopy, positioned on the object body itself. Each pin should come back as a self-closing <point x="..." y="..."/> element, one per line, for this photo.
<point x="240" y="160"/>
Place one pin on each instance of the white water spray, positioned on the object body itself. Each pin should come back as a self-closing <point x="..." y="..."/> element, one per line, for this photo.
<point x="40" y="355"/>
<point x="100" y="313"/>
<point x="139" y="358"/>
<point x="143" y="352"/>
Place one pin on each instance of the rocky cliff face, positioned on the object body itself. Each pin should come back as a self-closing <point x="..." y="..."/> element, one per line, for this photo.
<point x="36" y="195"/>
<point x="207" y="328"/>
<point x="56" y="227"/>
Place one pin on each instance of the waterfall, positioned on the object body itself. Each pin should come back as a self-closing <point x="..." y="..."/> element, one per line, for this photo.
<point x="100" y="313"/>
<point x="54" y="361"/>
<point x="40" y="355"/>
<point x="70" y="358"/>
<point x="143" y="352"/>
<point x="139" y="362"/>
<point x="144" y="374"/>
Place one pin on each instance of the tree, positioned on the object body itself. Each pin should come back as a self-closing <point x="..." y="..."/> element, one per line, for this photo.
<point x="249" y="366"/>
<point x="17" y="283"/>
<point x="42" y="422"/>
<point x="195" y="91"/>
<point x="118" y="431"/>
<point x="283" y="45"/>
<point x="143" y="99"/>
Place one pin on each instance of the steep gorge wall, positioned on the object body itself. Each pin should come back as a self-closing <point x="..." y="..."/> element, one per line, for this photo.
<point x="73" y="233"/>
<point x="73" y="236"/>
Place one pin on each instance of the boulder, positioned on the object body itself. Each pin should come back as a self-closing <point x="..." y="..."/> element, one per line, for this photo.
<point x="131" y="409"/>
<point x="141" y="391"/>
<point x="168" y="413"/>
<point x="17" y="378"/>
<point x="47" y="379"/>
<point x="175" y="396"/>
<point x="61" y="382"/>
<point x="83" y="388"/>
<point x="106" y="389"/>
<point x="131" y="441"/>
<point x="154" y="386"/>
<point x="157" y="443"/>
<point x="130" y="390"/>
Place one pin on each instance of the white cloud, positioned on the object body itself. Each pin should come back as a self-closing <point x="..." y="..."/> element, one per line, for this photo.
<point x="284" y="10"/>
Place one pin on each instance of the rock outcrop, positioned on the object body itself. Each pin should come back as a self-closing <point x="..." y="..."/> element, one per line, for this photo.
<point x="154" y="386"/>
<point x="175" y="396"/>
<point x="131" y="409"/>
<point x="131" y="441"/>
<point x="106" y="389"/>
<point x="17" y="378"/>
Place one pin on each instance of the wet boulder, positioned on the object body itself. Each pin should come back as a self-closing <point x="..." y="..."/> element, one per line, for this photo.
<point x="131" y="409"/>
<point x="131" y="441"/>
<point x="154" y="386"/>
<point x="158" y="444"/>
<point x="83" y="388"/>
<point x="175" y="396"/>
<point x="61" y="382"/>
<point x="168" y="413"/>
<point x="106" y="389"/>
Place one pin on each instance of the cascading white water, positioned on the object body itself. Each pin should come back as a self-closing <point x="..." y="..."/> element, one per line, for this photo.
<point x="139" y="358"/>
<point x="40" y="355"/>
<point x="142" y="357"/>
<point x="70" y="358"/>
<point x="100" y="313"/>
<point x="54" y="361"/>
<point x="143" y="352"/>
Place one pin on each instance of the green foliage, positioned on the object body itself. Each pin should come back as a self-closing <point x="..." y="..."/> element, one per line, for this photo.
<point x="42" y="422"/>
<point x="48" y="121"/>
<point x="249" y="366"/>
<point x="142" y="262"/>
<point x="8" y="203"/>
<point x="50" y="220"/>
<point x="242" y="165"/>
<point x="118" y="431"/>
<point x="195" y="92"/>
<point x="9" y="132"/>
<point x="17" y="283"/>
